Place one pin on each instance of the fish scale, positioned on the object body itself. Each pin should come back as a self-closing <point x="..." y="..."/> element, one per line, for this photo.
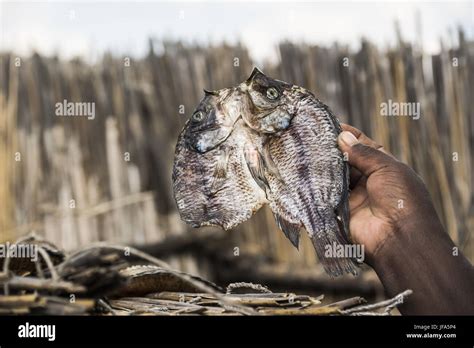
<point x="307" y="155"/>
<point x="200" y="202"/>
<point x="280" y="146"/>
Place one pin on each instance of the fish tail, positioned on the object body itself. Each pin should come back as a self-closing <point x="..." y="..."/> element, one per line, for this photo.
<point x="328" y="240"/>
<point x="334" y="266"/>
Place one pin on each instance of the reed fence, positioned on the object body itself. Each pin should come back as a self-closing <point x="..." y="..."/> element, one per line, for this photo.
<point x="76" y="180"/>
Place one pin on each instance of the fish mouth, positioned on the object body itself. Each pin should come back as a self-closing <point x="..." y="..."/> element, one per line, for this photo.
<point x="208" y="128"/>
<point x="265" y="115"/>
<point x="215" y="138"/>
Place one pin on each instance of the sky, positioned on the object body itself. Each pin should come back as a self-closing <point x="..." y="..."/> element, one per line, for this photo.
<point x="89" y="28"/>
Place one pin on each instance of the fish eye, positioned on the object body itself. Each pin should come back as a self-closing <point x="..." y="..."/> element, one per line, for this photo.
<point x="198" y="116"/>
<point x="272" y="93"/>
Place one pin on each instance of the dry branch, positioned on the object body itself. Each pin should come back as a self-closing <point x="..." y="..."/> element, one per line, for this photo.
<point x="105" y="281"/>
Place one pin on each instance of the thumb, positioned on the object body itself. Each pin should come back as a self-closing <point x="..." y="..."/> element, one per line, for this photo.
<point x="363" y="157"/>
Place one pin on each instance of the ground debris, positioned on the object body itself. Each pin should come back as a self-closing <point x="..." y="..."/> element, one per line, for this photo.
<point x="118" y="280"/>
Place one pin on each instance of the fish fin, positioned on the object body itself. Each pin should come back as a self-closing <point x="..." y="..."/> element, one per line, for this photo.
<point x="334" y="266"/>
<point x="220" y="172"/>
<point x="342" y="218"/>
<point x="256" y="166"/>
<point x="342" y="210"/>
<point x="256" y="71"/>
<point x="291" y="230"/>
<point x="269" y="163"/>
<point x="208" y="92"/>
<point x="326" y="236"/>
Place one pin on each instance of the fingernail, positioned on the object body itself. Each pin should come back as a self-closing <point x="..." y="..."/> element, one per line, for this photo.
<point x="348" y="138"/>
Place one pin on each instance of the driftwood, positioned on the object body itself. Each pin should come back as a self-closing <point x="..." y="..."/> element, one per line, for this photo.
<point x="105" y="279"/>
<point x="177" y="303"/>
<point x="350" y="302"/>
<point x="387" y="305"/>
<point x="41" y="304"/>
<point x="29" y="283"/>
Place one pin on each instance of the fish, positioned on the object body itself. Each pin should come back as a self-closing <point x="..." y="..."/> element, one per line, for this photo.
<point x="285" y="141"/>
<point x="212" y="182"/>
<point x="308" y="178"/>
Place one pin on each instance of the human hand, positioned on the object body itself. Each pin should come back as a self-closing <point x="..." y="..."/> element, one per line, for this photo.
<point x="386" y="195"/>
<point x="392" y="215"/>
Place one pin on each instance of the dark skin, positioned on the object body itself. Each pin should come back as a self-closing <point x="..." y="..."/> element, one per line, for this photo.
<point x="393" y="216"/>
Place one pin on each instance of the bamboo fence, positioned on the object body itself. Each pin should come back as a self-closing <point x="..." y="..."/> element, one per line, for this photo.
<point x="77" y="181"/>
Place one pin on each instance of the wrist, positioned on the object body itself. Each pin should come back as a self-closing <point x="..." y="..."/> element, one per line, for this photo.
<point x="408" y="242"/>
<point x="418" y="255"/>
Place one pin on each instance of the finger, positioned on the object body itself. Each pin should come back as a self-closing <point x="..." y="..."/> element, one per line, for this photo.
<point x="363" y="157"/>
<point x="356" y="175"/>
<point x="364" y="139"/>
<point x="361" y="137"/>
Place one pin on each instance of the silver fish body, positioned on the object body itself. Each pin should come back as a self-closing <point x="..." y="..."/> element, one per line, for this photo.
<point x="314" y="175"/>
<point x="212" y="183"/>
<point x="307" y="183"/>
<point x="281" y="150"/>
